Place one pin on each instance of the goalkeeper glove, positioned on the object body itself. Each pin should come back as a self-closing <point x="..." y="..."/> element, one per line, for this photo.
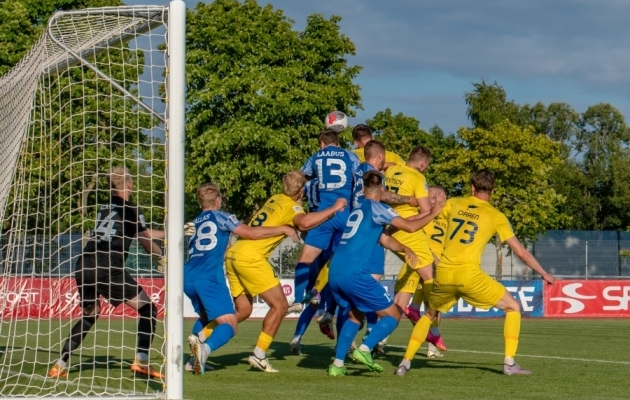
<point x="189" y="229"/>
<point x="161" y="262"/>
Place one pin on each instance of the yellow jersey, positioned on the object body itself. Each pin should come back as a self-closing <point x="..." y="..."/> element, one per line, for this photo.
<point x="472" y="222"/>
<point x="435" y="232"/>
<point x="406" y="181"/>
<point x="278" y="210"/>
<point x="389" y="156"/>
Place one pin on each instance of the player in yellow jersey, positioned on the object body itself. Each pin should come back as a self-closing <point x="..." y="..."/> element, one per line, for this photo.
<point x="363" y="134"/>
<point x="250" y="274"/>
<point x="435" y="234"/>
<point x="472" y="222"/>
<point x="409" y="180"/>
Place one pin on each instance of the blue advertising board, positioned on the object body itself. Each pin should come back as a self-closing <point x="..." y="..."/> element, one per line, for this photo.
<point x="528" y="293"/>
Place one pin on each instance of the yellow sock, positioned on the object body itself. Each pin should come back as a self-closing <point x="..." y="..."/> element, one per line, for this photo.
<point x="418" y="335"/>
<point x="264" y="341"/>
<point x="418" y="296"/>
<point x="207" y="330"/>
<point x="427" y="286"/>
<point x="322" y="279"/>
<point x="511" y="330"/>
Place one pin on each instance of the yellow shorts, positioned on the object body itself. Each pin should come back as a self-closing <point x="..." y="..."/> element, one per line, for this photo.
<point x="408" y="279"/>
<point x="471" y="284"/>
<point x="249" y="276"/>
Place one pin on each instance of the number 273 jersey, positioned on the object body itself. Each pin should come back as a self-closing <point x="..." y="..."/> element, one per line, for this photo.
<point x="207" y="246"/>
<point x="471" y="224"/>
<point x="360" y="236"/>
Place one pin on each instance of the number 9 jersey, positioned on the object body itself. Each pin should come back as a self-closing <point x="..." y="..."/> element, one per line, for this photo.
<point x="207" y="246"/>
<point x="471" y="224"/>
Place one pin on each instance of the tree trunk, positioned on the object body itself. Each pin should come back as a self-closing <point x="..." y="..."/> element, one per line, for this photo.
<point x="499" y="248"/>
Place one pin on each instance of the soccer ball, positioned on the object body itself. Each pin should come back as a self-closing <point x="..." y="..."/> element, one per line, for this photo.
<point x="337" y="121"/>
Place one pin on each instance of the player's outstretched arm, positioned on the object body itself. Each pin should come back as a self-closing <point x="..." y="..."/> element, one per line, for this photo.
<point x="414" y="223"/>
<point x="394" y="245"/>
<point x="147" y="244"/>
<point x="527" y="257"/>
<point x="304" y="222"/>
<point x="264" y="232"/>
<point x="425" y="208"/>
<point x="393" y="198"/>
<point x="156" y="234"/>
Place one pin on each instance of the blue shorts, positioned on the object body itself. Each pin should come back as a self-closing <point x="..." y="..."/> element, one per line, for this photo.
<point x="329" y="232"/>
<point x="209" y="296"/>
<point x="361" y="293"/>
<point x="376" y="263"/>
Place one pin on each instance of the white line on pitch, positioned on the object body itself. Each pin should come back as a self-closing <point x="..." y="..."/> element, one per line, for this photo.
<point x="12" y="374"/>
<point x="529" y="355"/>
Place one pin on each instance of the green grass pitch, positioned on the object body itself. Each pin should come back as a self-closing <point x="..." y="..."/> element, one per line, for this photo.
<point x="570" y="359"/>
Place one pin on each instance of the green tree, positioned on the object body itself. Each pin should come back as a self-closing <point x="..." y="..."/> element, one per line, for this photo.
<point x="522" y="162"/>
<point x="258" y="92"/>
<point x="80" y="127"/>
<point x="400" y="133"/>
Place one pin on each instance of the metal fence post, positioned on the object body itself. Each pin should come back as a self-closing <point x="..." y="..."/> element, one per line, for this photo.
<point x="586" y="263"/>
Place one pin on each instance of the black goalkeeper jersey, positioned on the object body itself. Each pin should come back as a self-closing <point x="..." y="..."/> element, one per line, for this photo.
<point x="117" y="224"/>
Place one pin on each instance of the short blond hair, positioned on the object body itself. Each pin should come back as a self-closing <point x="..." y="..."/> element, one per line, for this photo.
<point x="293" y="182"/>
<point x="207" y="194"/>
<point x="117" y="176"/>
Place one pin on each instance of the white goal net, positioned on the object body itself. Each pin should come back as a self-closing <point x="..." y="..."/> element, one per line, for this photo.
<point x="92" y="94"/>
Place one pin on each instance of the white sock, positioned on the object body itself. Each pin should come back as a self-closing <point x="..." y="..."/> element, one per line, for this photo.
<point x="405" y="363"/>
<point x="435" y="331"/>
<point x="384" y="341"/>
<point x="508" y="361"/>
<point x="431" y="347"/>
<point x="259" y="353"/>
<point x="338" y="363"/>
<point x="61" y="363"/>
<point x="142" y="357"/>
<point x="296" y="338"/>
<point x="364" y="348"/>
<point x="202" y="337"/>
<point x="208" y="349"/>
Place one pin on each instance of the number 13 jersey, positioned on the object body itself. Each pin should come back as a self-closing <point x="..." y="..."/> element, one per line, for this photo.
<point x="207" y="246"/>
<point x="472" y="222"/>
<point x="117" y="224"/>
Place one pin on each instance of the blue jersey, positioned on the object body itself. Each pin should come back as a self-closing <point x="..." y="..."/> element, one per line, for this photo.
<point x="360" y="237"/>
<point x="311" y="190"/>
<point x="207" y="246"/>
<point x="357" y="192"/>
<point x="334" y="168"/>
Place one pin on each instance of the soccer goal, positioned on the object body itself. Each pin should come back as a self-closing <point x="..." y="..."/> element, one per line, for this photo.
<point x="101" y="88"/>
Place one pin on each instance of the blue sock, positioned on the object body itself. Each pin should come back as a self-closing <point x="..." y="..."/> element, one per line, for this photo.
<point x="383" y="328"/>
<point x="305" y="319"/>
<point x="313" y="271"/>
<point x="220" y="336"/>
<point x="342" y="317"/>
<point x="347" y="335"/>
<point x="372" y="319"/>
<point x="198" y="326"/>
<point x="300" y="282"/>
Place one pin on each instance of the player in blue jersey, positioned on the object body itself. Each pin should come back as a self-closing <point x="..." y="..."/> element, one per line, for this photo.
<point x="204" y="278"/>
<point x="351" y="282"/>
<point x="334" y="168"/>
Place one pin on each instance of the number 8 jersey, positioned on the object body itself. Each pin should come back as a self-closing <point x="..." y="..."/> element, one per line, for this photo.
<point x="471" y="224"/>
<point x="207" y="246"/>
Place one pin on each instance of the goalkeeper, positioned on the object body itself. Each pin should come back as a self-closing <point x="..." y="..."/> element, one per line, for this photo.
<point x="100" y="270"/>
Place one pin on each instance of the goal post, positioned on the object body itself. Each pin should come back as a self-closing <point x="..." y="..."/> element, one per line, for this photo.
<point x="101" y="88"/>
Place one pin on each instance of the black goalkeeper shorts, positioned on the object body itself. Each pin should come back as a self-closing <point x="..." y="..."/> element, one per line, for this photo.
<point x="114" y="283"/>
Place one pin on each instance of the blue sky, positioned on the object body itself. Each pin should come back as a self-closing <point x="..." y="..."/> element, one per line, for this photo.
<point x="419" y="57"/>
